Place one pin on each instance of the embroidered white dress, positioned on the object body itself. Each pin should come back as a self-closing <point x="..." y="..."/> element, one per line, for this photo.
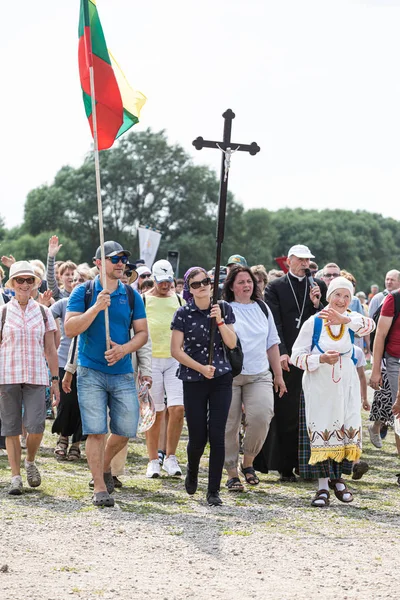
<point x="331" y="392"/>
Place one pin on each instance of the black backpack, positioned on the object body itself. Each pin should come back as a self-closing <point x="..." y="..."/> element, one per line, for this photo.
<point x="89" y="287"/>
<point x="377" y="314"/>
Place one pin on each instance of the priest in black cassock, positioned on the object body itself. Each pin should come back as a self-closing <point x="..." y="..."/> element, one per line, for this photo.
<point x="292" y="301"/>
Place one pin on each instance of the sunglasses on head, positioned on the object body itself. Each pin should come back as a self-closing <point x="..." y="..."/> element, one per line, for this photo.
<point x="116" y="259"/>
<point x="22" y="280"/>
<point x="197" y="284"/>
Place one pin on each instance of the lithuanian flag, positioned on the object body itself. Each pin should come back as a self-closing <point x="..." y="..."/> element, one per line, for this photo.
<point x="117" y="104"/>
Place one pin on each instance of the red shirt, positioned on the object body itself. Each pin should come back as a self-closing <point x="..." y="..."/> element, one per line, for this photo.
<point x="393" y="338"/>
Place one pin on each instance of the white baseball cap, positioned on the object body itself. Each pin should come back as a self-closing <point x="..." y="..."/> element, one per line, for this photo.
<point x="300" y="251"/>
<point x="163" y="271"/>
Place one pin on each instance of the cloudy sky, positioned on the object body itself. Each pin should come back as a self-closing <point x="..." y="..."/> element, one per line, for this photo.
<point x="315" y="83"/>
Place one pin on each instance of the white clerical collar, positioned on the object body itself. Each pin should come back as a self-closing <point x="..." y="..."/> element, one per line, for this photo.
<point x="296" y="276"/>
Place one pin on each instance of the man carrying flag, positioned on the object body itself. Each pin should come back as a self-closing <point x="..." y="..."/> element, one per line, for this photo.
<point x="105" y="373"/>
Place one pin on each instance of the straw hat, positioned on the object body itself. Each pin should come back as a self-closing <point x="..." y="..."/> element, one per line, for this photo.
<point x="21" y="268"/>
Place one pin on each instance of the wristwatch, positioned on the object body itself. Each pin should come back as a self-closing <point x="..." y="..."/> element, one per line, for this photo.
<point x="55" y="378"/>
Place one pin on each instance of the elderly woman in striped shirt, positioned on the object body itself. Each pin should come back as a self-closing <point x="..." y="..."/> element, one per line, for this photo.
<point x="26" y="342"/>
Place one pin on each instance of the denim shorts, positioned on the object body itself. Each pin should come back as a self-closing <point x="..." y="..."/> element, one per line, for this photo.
<point x="98" y="392"/>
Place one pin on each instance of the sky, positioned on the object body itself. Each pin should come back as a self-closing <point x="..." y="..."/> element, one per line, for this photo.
<point x="316" y="83"/>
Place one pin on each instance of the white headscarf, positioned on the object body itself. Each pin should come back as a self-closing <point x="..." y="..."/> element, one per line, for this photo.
<point x="339" y="283"/>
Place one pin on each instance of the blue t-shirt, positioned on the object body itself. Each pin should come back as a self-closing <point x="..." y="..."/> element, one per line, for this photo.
<point x="195" y="326"/>
<point x="92" y="342"/>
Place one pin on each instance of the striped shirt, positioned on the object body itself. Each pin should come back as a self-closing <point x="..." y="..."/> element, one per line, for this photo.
<point x="22" y="358"/>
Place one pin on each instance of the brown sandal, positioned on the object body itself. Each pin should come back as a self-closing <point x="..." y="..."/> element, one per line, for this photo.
<point x="74" y="453"/>
<point x="321" y="495"/>
<point x="340" y="493"/>
<point x="60" y="450"/>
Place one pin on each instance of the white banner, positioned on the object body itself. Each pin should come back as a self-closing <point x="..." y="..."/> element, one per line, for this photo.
<point x="149" y="242"/>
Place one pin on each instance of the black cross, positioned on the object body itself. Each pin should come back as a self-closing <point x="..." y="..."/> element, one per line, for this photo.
<point x="227" y="147"/>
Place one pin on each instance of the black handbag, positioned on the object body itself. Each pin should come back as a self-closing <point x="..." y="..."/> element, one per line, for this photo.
<point x="233" y="355"/>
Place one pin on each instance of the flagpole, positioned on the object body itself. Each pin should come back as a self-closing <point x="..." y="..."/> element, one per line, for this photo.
<point x="99" y="201"/>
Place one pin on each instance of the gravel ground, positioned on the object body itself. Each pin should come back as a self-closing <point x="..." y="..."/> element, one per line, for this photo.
<point x="158" y="543"/>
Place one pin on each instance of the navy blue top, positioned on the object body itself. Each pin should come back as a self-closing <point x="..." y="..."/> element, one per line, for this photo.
<point x="195" y="326"/>
<point x="92" y="342"/>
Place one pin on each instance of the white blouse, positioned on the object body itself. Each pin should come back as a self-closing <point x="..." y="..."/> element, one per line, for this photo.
<point x="308" y="360"/>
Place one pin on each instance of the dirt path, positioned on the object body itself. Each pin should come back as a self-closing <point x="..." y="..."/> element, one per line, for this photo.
<point x="158" y="543"/>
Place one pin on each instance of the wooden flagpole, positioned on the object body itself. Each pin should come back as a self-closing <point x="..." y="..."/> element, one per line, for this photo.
<point x="89" y="58"/>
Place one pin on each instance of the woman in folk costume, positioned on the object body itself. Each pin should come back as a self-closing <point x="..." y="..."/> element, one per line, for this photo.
<point x="324" y="350"/>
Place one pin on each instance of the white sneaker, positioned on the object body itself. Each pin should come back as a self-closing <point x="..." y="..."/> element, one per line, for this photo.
<point x="153" y="469"/>
<point x="172" y="467"/>
<point x="23" y="442"/>
<point x="374" y="437"/>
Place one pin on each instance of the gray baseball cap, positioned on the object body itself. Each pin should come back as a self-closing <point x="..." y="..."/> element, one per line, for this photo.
<point x="112" y="249"/>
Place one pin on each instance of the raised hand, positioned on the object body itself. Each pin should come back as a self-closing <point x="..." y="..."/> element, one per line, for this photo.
<point x="333" y="317"/>
<point x="8" y="261"/>
<point x="54" y="246"/>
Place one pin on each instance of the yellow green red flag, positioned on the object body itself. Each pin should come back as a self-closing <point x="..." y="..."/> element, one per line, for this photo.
<point x="117" y="104"/>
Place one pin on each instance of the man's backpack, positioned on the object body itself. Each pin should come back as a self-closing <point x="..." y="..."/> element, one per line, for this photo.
<point x="317" y="334"/>
<point x="377" y="314"/>
<point x="89" y="287"/>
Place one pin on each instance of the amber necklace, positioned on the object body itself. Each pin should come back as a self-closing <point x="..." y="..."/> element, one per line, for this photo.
<point x="334" y="337"/>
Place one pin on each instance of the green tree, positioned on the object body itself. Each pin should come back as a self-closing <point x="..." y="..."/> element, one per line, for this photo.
<point x="144" y="180"/>
<point x="29" y="247"/>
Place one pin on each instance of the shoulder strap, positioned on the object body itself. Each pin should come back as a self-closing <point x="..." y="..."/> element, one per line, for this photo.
<point x="144" y="299"/>
<point x="396" y="297"/>
<point x="45" y="319"/>
<point x="317" y="331"/>
<point x="6" y="298"/>
<point x="89" y="286"/>
<point x="263" y="307"/>
<point x="131" y="299"/>
<point x="3" y="320"/>
<point x="179" y="299"/>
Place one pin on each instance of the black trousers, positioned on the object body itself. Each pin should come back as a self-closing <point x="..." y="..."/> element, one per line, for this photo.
<point x="281" y="448"/>
<point x="207" y="406"/>
<point x="68" y="421"/>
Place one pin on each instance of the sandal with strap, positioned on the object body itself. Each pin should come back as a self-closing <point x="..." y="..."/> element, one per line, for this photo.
<point x="319" y="496"/>
<point x="60" y="450"/>
<point x="235" y="485"/>
<point x="252" y="479"/>
<point x="340" y="493"/>
<point x="74" y="453"/>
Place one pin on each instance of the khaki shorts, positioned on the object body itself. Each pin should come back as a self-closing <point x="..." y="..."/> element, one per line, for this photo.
<point x="17" y="396"/>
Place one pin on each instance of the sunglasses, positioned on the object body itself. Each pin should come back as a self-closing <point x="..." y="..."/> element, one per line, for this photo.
<point x="197" y="284"/>
<point x="22" y="280"/>
<point x="331" y="275"/>
<point x="145" y="275"/>
<point x="116" y="259"/>
<point x="128" y="273"/>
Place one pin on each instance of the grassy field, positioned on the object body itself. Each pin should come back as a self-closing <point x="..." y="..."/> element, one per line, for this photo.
<point x="377" y="493"/>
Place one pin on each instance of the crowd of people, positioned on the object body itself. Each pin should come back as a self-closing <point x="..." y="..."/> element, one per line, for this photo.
<point x="272" y="376"/>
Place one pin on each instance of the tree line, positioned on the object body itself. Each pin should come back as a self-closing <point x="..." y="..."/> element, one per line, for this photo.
<point x="148" y="181"/>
